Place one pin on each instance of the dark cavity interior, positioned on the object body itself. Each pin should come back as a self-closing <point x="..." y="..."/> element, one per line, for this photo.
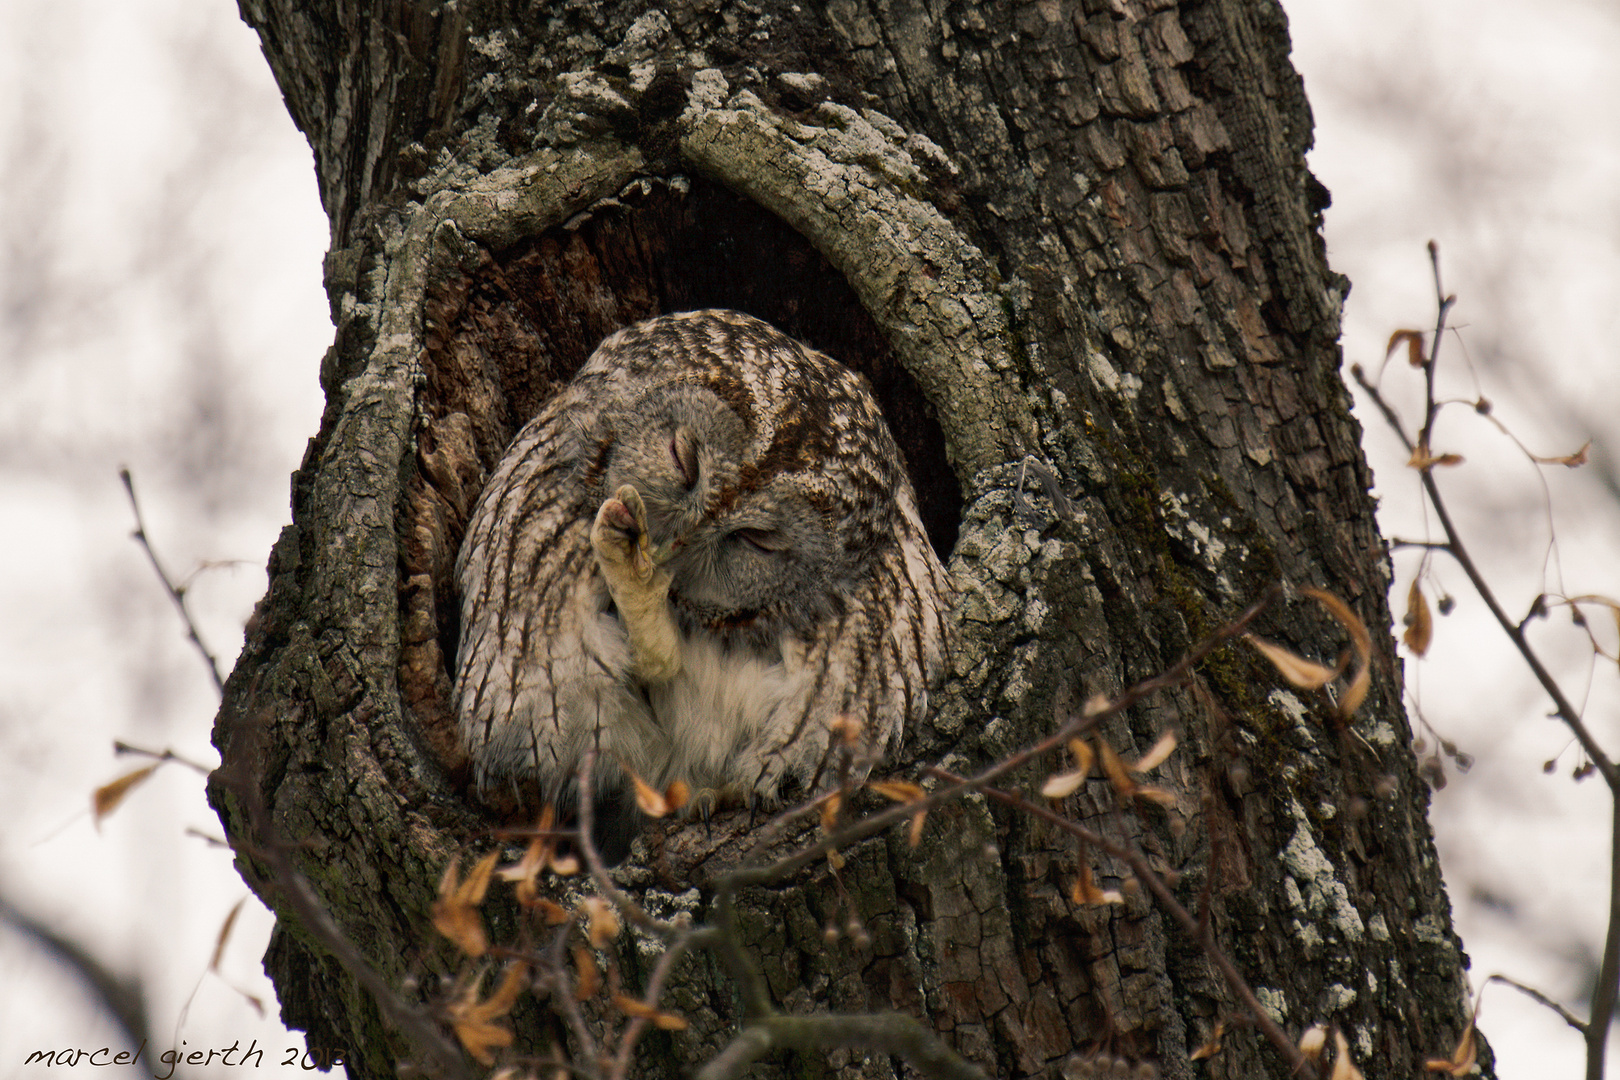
<point x="527" y="321"/>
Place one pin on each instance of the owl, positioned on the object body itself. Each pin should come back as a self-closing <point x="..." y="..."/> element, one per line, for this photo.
<point x="700" y="556"/>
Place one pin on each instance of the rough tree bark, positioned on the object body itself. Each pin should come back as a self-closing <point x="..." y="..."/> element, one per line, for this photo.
<point x="1068" y="239"/>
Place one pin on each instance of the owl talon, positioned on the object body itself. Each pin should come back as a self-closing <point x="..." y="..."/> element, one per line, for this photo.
<point x="705" y="802"/>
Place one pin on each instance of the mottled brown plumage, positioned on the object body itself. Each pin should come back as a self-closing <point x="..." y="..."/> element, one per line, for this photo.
<point x="697" y="556"/>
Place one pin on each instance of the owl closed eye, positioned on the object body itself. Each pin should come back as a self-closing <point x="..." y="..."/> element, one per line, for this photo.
<point x="698" y="556"/>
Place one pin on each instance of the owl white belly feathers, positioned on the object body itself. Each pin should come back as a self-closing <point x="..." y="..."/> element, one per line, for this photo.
<point x="699" y="555"/>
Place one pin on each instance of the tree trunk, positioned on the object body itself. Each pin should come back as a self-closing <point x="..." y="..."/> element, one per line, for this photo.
<point x="1075" y="246"/>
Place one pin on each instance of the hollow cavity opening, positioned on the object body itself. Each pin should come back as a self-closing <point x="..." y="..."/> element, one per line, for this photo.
<point x="523" y="324"/>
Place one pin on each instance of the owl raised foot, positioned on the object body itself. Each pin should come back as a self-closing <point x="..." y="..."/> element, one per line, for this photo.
<point x="638" y="585"/>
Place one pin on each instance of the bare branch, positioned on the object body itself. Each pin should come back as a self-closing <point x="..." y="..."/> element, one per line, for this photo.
<point x="1608" y="982"/>
<point x="1604" y="997"/>
<point x="122" y="747"/>
<point x="593" y="858"/>
<point x="655" y="987"/>
<point x="1529" y="991"/>
<point x="177" y="595"/>
<point x="123" y="998"/>
<point x="1455" y="547"/>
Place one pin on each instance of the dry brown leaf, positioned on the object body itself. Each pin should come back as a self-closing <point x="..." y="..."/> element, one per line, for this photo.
<point x="474" y="1020"/>
<point x="649" y="800"/>
<point x="1414" y="346"/>
<point x="914" y="837"/>
<point x="1115" y="770"/>
<point x="1422" y="458"/>
<point x="107" y="797"/>
<point x="1572" y="461"/>
<point x="1158" y="795"/>
<point x="1157" y="754"/>
<point x="829" y="811"/>
<point x="1212" y="1045"/>
<point x="633" y="1007"/>
<point x="1461" y="1062"/>
<point x="900" y="791"/>
<point x="588" y="976"/>
<point x="601" y="921"/>
<point x="677" y="794"/>
<point x="1084" y="755"/>
<point x="477" y="883"/>
<point x="535" y="857"/>
<point x="225" y="934"/>
<point x="1062" y="785"/>
<point x="1419" y="622"/>
<point x="903" y="791"/>
<point x="455" y="912"/>
<point x="554" y="914"/>
<point x="1300" y="672"/>
<point x="1085" y="890"/>
<point x="1343" y="1069"/>
<point x="1356" y="692"/>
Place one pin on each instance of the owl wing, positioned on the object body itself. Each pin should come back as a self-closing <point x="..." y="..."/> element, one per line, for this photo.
<point x="874" y="661"/>
<point x="538" y="663"/>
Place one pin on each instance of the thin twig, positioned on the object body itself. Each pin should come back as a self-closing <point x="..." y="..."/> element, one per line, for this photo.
<point x="655" y="988"/>
<point x="1458" y="550"/>
<point x="1608" y="984"/>
<point x="122" y="747"/>
<point x="178" y="595"/>
<point x="593" y="858"/>
<point x="1568" y="1017"/>
<point x="562" y="996"/>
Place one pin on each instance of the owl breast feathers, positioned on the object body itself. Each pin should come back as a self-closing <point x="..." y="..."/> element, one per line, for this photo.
<point x="699" y="555"/>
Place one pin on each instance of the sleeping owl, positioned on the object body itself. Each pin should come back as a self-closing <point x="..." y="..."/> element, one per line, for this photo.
<point x="701" y="554"/>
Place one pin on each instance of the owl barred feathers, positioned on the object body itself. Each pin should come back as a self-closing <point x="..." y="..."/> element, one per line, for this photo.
<point x="697" y="556"/>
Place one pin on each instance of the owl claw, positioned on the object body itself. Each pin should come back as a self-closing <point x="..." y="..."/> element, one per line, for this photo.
<point x="706" y="801"/>
<point x="620" y="534"/>
<point x="703" y="804"/>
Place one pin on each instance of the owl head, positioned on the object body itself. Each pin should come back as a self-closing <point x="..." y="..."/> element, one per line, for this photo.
<point x="755" y="459"/>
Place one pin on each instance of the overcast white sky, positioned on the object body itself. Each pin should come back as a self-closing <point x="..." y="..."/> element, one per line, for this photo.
<point x="160" y="307"/>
